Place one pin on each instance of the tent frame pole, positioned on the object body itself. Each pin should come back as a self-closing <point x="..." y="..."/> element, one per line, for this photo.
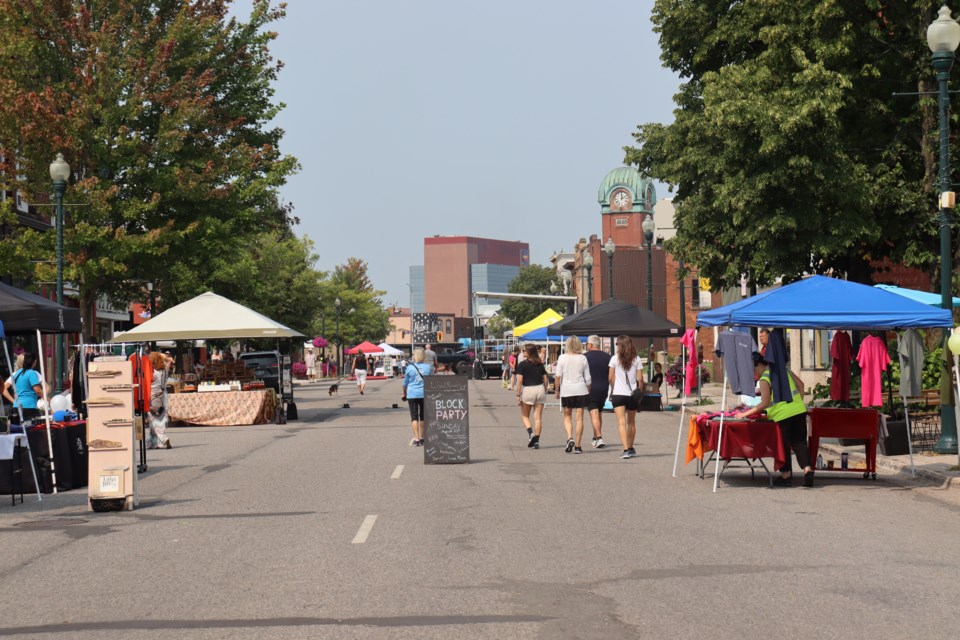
<point x="717" y="457"/>
<point x="46" y="413"/>
<point x="683" y="410"/>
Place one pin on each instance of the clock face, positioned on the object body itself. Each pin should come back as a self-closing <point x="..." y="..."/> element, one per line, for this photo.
<point x="621" y="199"/>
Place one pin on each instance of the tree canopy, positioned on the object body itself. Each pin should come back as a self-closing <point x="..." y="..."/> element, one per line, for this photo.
<point x="533" y="279"/>
<point x="788" y="151"/>
<point x="162" y="108"/>
<point x="362" y="314"/>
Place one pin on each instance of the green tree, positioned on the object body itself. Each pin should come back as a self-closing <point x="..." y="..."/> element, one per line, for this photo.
<point x="162" y="109"/>
<point x="788" y="152"/>
<point x="532" y="279"/>
<point x="498" y="325"/>
<point x="362" y="314"/>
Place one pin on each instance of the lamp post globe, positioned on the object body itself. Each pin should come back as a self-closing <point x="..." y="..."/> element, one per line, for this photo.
<point x="60" y="174"/>
<point x="943" y="38"/>
<point x="588" y="265"/>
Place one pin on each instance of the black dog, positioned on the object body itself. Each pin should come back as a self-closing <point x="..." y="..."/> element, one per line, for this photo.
<point x="334" y="388"/>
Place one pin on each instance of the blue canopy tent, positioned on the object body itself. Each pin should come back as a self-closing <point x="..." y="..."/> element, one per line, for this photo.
<point x="932" y="299"/>
<point x="819" y="302"/>
<point x="540" y="335"/>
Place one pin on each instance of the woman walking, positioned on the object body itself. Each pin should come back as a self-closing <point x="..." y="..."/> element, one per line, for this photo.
<point x="572" y="384"/>
<point x="360" y="367"/>
<point x="532" y="384"/>
<point x="624" y="378"/>
<point x="413" y="393"/>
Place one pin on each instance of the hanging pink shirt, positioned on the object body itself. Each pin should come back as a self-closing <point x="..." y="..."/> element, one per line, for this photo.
<point x="873" y="359"/>
<point x="689" y="340"/>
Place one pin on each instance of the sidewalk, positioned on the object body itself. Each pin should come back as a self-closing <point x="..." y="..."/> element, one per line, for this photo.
<point x="940" y="470"/>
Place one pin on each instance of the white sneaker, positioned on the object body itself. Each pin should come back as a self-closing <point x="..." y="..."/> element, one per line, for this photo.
<point x="600" y="443"/>
<point x="593" y="443"/>
<point x="414" y="442"/>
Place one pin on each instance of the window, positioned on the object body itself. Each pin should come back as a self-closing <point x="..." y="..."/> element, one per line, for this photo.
<point x="815" y="349"/>
<point x="449" y="326"/>
<point x="695" y="293"/>
<point x="620" y="222"/>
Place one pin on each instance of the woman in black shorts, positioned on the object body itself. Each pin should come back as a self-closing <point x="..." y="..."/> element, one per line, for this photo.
<point x="624" y="378"/>
<point x="573" y="388"/>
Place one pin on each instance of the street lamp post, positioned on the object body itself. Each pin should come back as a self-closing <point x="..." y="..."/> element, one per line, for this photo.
<point x="337" y="305"/>
<point x="323" y="332"/>
<point x="609" y="249"/>
<point x="59" y="173"/>
<point x="943" y="38"/>
<point x="649" y="226"/>
<point x="588" y="265"/>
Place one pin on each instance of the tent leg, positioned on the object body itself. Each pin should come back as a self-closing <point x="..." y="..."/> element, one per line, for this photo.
<point x="676" y="455"/>
<point x="46" y="414"/>
<point x="906" y="417"/>
<point x="723" y="408"/>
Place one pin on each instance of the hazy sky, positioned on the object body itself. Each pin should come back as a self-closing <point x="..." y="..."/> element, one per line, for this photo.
<point x="491" y="118"/>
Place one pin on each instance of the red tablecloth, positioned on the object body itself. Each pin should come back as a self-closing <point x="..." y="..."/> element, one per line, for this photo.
<point x="857" y="424"/>
<point x="750" y="439"/>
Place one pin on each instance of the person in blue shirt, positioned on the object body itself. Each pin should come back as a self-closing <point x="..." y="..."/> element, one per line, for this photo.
<point x="28" y="387"/>
<point x="413" y="393"/>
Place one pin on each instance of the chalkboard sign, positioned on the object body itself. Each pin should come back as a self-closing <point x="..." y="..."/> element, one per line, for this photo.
<point x="447" y="414"/>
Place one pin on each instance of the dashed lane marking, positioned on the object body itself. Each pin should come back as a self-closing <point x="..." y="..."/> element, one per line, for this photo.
<point x="396" y="472"/>
<point x="364" y="530"/>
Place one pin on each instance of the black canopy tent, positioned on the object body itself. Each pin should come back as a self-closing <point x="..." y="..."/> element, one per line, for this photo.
<point x="23" y="312"/>
<point x="614" y="318"/>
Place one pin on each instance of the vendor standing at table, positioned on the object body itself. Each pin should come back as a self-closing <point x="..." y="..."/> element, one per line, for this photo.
<point x="792" y="416"/>
<point x="27" y="386"/>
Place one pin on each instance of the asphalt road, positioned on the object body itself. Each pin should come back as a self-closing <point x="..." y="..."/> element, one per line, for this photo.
<point x="313" y="530"/>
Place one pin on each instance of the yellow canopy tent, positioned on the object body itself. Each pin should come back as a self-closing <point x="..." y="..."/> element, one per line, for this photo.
<point x="546" y="318"/>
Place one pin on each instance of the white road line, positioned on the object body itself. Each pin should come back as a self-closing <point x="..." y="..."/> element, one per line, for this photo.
<point x="364" y="531"/>
<point x="397" y="472"/>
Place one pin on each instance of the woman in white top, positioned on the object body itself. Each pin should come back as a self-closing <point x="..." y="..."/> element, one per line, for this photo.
<point x="572" y="384"/>
<point x="624" y="378"/>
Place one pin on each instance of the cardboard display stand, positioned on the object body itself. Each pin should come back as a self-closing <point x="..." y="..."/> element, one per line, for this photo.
<point x="111" y="435"/>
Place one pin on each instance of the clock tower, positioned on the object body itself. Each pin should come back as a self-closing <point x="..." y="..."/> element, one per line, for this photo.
<point x="626" y="198"/>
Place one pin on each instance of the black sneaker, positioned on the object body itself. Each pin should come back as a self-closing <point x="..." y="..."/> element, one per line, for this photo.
<point x="534" y="442"/>
<point x="570" y="444"/>
<point x="782" y="482"/>
<point x="808" y="479"/>
<point x="577" y="450"/>
<point x="633" y="452"/>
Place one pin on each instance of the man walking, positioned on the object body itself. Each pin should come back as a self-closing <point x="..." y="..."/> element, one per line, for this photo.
<point x="430" y="357"/>
<point x="599" y="362"/>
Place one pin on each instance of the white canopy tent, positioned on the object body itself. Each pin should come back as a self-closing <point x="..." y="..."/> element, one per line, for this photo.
<point x="208" y="316"/>
<point x="390" y="351"/>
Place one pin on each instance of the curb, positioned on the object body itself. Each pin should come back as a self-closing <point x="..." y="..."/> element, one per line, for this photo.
<point x="901" y="470"/>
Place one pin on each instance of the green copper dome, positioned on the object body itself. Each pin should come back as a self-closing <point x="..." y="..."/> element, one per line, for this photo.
<point x="641" y="189"/>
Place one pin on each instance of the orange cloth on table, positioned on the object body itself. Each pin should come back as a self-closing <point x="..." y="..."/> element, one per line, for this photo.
<point x="694" y="443"/>
<point x="141" y="393"/>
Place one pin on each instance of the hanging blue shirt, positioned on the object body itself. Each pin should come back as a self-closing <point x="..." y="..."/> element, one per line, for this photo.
<point x="413" y="381"/>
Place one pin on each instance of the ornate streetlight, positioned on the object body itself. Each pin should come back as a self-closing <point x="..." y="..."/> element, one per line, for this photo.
<point x="59" y="173"/>
<point x="609" y="249"/>
<point x="649" y="226"/>
<point x="943" y="38"/>
<point x="588" y="265"/>
<point x="337" y="304"/>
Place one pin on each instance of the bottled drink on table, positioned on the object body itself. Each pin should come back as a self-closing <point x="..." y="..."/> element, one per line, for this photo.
<point x="844" y="461"/>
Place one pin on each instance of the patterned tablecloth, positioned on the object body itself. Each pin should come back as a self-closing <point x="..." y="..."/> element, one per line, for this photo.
<point x="223" y="407"/>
